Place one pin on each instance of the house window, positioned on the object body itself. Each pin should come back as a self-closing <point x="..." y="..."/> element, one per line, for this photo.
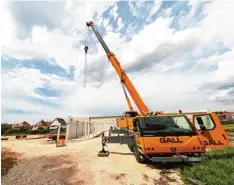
<point x="222" y="117"/>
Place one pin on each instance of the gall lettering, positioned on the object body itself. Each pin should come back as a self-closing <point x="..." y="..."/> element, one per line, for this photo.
<point x="170" y="140"/>
<point x="213" y="143"/>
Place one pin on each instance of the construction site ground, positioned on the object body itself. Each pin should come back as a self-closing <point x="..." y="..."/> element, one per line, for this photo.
<point x="41" y="163"/>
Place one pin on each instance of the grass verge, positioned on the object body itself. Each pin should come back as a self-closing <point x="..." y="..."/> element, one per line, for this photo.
<point x="217" y="170"/>
<point x="229" y="127"/>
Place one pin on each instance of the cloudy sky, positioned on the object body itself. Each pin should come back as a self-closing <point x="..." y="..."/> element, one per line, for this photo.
<point x="179" y="55"/>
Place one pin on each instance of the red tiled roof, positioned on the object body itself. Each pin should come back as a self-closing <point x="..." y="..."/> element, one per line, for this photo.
<point x="49" y="123"/>
<point x="23" y="124"/>
<point x="228" y="116"/>
<point x="41" y="123"/>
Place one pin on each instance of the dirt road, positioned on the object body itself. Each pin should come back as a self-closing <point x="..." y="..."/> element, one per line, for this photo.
<point x="77" y="163"/>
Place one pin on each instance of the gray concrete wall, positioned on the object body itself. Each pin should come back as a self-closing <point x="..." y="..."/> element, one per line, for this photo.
<point x="88" y="126"/>
<point x="102" y="124"/>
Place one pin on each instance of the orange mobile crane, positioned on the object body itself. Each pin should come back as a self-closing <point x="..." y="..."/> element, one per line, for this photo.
<point x="159" y="137"/>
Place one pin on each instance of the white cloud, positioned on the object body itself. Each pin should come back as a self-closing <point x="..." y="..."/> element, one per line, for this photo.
<point x="52" y="44"/>
<point x="8" y="30"/>
<point x="223" y="96"/>
<point x="120" y="23"/>
<point x="216" y="23"/>
<point x="166" y="47"/>
<point x="114" y="11"/>
<point x="136" y="7"/>
<point x="155" y="7"/>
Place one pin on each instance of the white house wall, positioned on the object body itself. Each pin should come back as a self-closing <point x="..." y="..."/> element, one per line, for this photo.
<point x="55" y="124"/>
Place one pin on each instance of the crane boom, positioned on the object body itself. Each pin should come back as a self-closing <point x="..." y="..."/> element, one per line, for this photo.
<point x="127" y="99"/>
<point x="121" y="73"/>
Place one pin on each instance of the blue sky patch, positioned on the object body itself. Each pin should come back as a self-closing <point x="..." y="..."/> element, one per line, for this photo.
<point x="41" y="102"/>
<point x="17" y="111"/>
<point x="47" y="92"/>
<point x="45" y="67"/>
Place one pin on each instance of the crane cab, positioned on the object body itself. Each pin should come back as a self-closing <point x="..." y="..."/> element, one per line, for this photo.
<point x="126" y="120"/>
<point x="211" y="131"/>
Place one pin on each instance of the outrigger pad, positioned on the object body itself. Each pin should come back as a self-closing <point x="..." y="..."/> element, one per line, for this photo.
<point x="103" y="154"/>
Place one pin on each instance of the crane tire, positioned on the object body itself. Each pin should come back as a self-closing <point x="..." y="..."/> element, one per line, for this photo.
<point x="137" y="154"/>
<point x="130" y="147"/>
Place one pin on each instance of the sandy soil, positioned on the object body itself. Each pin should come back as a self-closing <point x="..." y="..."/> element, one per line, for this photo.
<point x="77" y="163"/>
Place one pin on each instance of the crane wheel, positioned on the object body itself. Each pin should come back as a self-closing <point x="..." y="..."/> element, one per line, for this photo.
<point x="139" y="157"/>
<point x="130" y="147"/>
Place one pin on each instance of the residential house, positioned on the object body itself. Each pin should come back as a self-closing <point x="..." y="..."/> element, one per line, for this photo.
<point x="20" y="125"/>
<point x="226" y="116"/>
<point x="56" y="122"/>
<point x="40" y="124"/>
<point x="49" y="123"/>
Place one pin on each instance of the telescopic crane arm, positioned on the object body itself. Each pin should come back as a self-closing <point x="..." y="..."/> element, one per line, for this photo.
<point x="121" y="73"/>
<point x="127" y="99"/>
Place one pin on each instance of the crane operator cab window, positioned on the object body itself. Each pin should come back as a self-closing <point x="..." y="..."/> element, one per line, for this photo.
<point x="129" y="114"/>
<point x="204" y="122"/>
<point x="165" y="126"/>
<point x="136" y="125"/>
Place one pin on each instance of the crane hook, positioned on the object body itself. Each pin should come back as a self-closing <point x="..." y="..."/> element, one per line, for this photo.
<point x="86" y="49"/>
<point x="85" y="65"/>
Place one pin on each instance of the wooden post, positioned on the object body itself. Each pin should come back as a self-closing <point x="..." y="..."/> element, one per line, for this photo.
<point x="58" y="134"/>
<point x="68" y="129"/>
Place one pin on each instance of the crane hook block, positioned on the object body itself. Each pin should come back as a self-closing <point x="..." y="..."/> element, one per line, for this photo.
<point x="86" y="49"/>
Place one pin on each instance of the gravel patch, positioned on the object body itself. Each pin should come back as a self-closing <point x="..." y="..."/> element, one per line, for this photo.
<point x="42" y="170"/>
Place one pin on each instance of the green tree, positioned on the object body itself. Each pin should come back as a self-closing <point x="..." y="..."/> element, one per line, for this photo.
<point x="4" y="128"/>
<point x="23" y="129"/>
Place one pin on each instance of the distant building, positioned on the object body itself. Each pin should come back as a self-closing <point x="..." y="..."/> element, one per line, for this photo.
<point x="56" y="122"/>
<point x="49" y="122"/>
<point x="226" y="116"/>
<point x="20" y="125"/>
<point x="40" y="124"/>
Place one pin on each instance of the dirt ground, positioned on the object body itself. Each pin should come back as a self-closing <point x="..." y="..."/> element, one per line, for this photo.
<point x="77" y="163"/>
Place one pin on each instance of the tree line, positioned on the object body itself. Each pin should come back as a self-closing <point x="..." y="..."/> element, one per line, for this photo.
<point x="6" y="129"/>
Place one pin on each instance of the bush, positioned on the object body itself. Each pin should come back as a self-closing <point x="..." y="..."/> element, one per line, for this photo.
<point x="55" y="131"/>
<point x="227" y="122"/>
<point x="4" y="128"/>
<point x="26" y="131"/>
<point x="39" y="131"/>
<point x="14" y="131"/>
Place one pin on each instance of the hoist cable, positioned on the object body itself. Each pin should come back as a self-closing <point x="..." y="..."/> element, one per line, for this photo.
<point x="85" y="63"/>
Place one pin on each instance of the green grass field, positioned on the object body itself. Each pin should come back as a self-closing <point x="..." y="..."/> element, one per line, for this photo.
<point x="229" y="127"/>
<point x="218" y="170"/>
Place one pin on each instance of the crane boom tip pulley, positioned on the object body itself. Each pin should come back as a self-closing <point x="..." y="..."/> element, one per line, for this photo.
<point x="89" y="23"/>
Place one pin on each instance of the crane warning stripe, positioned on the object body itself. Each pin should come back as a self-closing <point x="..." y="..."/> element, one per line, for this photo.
<point x="117" y="122"/>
